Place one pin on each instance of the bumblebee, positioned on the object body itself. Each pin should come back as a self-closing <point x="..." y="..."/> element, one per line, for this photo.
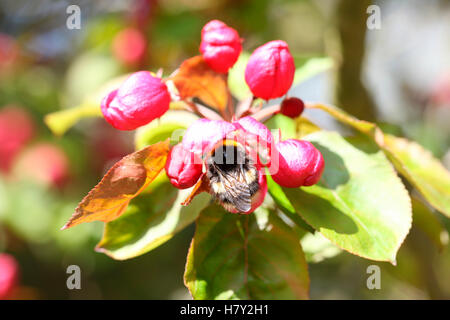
<point x="233" y="176"/>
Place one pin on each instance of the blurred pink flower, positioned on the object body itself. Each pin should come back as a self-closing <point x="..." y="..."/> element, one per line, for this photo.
<point x="16" y="129"/>
<point x="44" y="163"/>
<point x="129" y="46"/>
<point x="9" y="275"/>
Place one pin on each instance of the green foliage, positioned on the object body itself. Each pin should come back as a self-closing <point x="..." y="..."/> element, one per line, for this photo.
<point x="61" y="121"/>
<point x="253" y="256"/>
<point x="415" y="163"/>
<point x="360" y="204"/>
<point x="280" y="198"/>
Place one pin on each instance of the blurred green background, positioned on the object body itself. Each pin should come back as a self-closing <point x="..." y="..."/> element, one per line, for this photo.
<point x="397" y="75"/>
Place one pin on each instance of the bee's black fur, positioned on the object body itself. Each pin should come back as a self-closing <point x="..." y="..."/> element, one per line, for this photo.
<point x="227" y="168"/>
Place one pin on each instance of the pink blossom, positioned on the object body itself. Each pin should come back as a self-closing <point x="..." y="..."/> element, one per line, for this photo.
<point x="270" y="70"/>
<point x="252" y="126"/>
<point x="203" y="134"/>
<point x="220" y="46"/>
<point x="139" y="100"/>
<point x="258" y="137"/>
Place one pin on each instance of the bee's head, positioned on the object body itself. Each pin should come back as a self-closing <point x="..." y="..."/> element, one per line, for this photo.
<point x="227" y="155"/>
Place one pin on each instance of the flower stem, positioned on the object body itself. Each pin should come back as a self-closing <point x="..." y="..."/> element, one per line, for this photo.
<point x="266" y="112"/>
<point x="203" y="111"/>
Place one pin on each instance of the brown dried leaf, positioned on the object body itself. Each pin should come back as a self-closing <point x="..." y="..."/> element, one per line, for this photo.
<point x="196" y="79"/>
<point x="124" y="181"/>
<point x="201" y="186"/>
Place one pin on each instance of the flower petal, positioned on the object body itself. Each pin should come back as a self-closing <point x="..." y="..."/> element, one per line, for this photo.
<point x="203" y="134"/>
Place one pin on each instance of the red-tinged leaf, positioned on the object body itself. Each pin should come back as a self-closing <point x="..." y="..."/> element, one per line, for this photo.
<point x="196" y="79"/>
<point x="124" y="181"/>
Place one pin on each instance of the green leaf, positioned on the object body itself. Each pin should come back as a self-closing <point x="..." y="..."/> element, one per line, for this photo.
<point x="360" y="204"/>
<point x="413" y="161"/>
<point x="318" y="248"/>
<point x="61" y="121"/>
<point x="171" y="125"/>
<point x="429" y="224"/>
<point x="254" y="256"/>
<point x="278" y="195"/>
<point x="421" y="169"/>
<point x="151" y="219"/>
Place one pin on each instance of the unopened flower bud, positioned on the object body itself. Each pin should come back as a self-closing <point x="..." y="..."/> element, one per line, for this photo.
<point x="220" y="46"/>
<point x="183" y="167"/>
<point x="299" y="164"/>
<point x="139" y="100"/>
<point x="270" y="70"/>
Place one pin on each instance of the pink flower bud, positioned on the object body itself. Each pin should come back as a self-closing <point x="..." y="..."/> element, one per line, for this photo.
<point x="9" y="274"/>
<point x="270" y="70"/>
<point x="220" y="46"/>
<point x="139" y="100"/>
<point x="299" y="164"/>
<point x="183" y="167"/>
<point x="292" y="107"/>
<point x="129" y="46"/>
<point x="203" y="134"/>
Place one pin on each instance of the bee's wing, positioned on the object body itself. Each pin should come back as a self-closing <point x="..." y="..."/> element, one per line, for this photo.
<point x="237" y="192"/>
